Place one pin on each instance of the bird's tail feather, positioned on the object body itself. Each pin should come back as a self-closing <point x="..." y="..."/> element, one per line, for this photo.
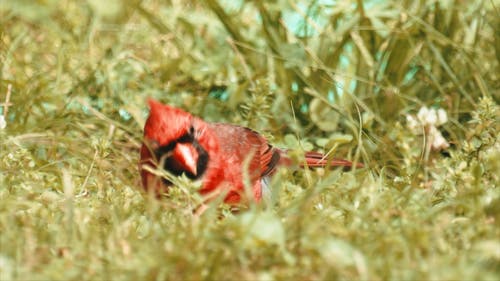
<point x="316" y="159"/>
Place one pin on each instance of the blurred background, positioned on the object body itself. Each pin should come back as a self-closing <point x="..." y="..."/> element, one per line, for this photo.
<point x="344" y="72"/>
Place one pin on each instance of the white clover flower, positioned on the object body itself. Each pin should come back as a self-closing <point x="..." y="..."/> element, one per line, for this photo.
<point x="429" y="119"/>
<point x="436" y="139"/>
<point x="428" y="116"/>
<point x="3" y="123"/>
<point x="422" y="114"/>
<point x="411" y="122"/>
<point x="432" y="117"/>
<point x="442" y="117"/>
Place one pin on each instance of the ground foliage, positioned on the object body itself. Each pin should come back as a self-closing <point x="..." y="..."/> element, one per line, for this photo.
<point x="346" y="77"/>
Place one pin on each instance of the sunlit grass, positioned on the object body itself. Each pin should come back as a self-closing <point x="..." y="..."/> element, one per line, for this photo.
<point x="350" y="80"/>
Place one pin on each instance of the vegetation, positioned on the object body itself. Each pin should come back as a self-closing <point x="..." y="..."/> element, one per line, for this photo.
<point x="409" y="88"/>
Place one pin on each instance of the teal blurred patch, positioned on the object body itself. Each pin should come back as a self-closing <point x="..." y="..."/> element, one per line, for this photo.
<point x="339" y="87"/>
<point x="125" y="115"/>
<point x="331" y="96"/>
<point x="352" y="85"/>
<point x="304" y="108"/>
<point x="410" y="75"/>
<point x="298" y="22"/>
<point x="219" y="92"/>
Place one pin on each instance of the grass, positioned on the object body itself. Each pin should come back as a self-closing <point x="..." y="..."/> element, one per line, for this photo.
<point x="349" y="78"/>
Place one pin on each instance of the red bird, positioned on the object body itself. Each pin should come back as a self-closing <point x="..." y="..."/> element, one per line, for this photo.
<point x="216" y="153"/>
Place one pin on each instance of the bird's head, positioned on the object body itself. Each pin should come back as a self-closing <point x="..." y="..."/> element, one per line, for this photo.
<point x="166" y="123"/>
<point x="170" y="136"/>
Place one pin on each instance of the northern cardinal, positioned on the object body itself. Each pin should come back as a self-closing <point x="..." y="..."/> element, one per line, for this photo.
<point x="215" y="153"/>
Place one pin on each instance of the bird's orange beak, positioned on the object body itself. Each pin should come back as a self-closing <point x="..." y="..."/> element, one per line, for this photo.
<point x="187" y="157"/>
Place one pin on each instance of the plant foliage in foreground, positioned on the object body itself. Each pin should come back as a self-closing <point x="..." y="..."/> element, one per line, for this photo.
<point x="410" y="88"/>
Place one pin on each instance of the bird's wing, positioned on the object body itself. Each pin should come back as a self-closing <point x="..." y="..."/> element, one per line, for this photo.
<point x="238" y="143"/>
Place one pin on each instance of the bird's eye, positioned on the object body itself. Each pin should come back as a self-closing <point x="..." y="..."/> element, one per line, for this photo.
<point x="187" y="137"/>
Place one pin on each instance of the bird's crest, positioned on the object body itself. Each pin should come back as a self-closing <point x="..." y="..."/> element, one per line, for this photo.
<point x="166" y="123"/>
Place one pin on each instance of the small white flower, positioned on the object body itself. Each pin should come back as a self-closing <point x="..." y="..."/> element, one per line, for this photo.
<point x="442" y="117"/>
<point x="422" y="114"/>
<point x="429" y="119"/>
<point x="427" y="116"/>
<point x="411" y="122"/>
<point x="431" y="116"/>
<point x="437" y="140"/>
<point x="3" y="123"/>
